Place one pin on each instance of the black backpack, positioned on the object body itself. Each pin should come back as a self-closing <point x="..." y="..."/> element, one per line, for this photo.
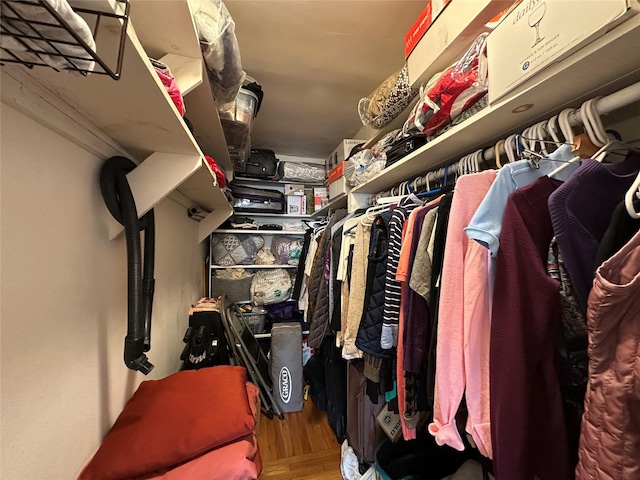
<point x="206" y="344"/>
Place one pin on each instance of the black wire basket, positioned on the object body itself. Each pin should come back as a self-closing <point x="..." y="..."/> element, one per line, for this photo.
<point x="59" y="36"/>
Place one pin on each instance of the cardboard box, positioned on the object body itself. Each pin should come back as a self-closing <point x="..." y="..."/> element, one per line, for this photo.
<point x="335" y="173"/>
<point x="296" y="204"/>
<point x="320" y="198"/>
<point x="293" y="189"/>
<point x="390" y="423"/>
<point x="537" y="33"/>
<point x="424" y="21"/>
<point x="338" y="188"/>
<point x="450" y="36"/>
<point x="341" y="153"/>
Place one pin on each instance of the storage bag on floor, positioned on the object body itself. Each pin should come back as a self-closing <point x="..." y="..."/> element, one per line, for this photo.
<point x="286" y="366"/>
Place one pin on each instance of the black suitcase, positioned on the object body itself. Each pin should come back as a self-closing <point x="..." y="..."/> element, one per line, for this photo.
<point x="262" y="163"/>
<point x="403" y="147"/>
<point x="257" y="200"/>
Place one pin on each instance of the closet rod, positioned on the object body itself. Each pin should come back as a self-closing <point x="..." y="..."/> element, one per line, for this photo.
<point x="622" y="98"/>
<point x="610" y="103"/>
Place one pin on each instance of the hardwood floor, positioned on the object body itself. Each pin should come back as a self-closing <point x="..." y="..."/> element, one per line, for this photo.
<point x="300" y="447"/>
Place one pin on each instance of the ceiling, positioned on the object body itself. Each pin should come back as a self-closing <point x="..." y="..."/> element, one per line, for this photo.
<point x="315" y="59"/>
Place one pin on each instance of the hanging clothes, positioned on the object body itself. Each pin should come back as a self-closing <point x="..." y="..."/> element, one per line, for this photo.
<point x="369" y="331"/>
<point x="581" y="212"/>
<point x="463" y="330"/>
<point x="486" y="224"/>
<point x="389" y="334"/>
<point x="610" y="438"/>
<point x="527" y="421"/>
<point x="319" y="286"/>
<point x="357" y="288"/>
<point x="621" y="229"/>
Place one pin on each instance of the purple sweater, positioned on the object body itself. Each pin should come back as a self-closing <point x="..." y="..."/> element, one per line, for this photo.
<point x="581" y="211"/>
<point x="527" y="420"/>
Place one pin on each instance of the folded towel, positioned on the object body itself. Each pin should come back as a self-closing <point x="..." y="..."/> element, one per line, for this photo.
<point x="36" y="13"/>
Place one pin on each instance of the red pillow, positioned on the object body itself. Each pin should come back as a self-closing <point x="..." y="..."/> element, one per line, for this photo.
<point x="170" y="421"/>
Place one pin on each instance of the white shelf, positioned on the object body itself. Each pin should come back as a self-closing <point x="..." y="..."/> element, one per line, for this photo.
<point x="138" y="114"/>
<point x="251" y="267"/>
<point x="262" y="181"/>
<point x="260" y="232"/>
<point x="336" y="203"/>
<point x="273" y="215"/>
<point x="617" y="57"/>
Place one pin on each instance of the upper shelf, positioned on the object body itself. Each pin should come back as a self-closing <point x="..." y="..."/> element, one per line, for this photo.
<point x="334" y="204"/>
<point x="138" y="114"/>
<point x="600" y="68"/>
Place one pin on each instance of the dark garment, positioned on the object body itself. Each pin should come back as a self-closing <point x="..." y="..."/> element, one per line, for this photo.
<point x="368" y="337"/>
<point x="301" y="263"/>
<point x="571" y="346"/>
<point x="318" y="310"/>
<point x="622" y="228"/>
<point x="415" y="311"/>
<point x="527" y="421"/>
<point x="581" y="211"/>
<point x="336" y="312"/>
<point x="442" y="224"/>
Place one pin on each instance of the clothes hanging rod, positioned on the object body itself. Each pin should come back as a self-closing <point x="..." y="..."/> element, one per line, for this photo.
<point x="615" y="101"/>
<point x="604" y="105"/>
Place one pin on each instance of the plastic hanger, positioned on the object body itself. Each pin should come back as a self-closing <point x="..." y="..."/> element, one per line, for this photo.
<point x="510" y="148"/>
<point x="634" y="191"/>
<point x="496" y="152"/>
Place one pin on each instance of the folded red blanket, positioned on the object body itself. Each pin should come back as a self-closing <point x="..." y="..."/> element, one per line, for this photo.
<point x="182" y="419"/>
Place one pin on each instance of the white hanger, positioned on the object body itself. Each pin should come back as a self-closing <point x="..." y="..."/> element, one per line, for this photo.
<point x="552" y="128"/>
<point x="509" y="148"/>
<point x="634" y="191"/>
<point x="565" y="125"/>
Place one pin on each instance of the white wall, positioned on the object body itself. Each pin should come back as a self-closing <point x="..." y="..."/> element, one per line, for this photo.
<point x="63" y="302"/>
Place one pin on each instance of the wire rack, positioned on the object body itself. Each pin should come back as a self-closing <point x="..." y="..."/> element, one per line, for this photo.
<point x="60" y="38"/>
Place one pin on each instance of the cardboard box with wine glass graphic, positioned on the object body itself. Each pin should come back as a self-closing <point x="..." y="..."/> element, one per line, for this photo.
<point x="538" y="33"/>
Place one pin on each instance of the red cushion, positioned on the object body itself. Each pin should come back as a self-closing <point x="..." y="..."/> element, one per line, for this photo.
<point x="170" y="421"/>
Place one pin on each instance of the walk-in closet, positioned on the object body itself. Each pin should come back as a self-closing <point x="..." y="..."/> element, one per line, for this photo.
<point x="320" y="239"/>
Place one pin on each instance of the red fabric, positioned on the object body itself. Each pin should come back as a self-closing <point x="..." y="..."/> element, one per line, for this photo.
<point x="171" y="85"/>
<point x="171" y="421"/>
<point x="222" y="181"/>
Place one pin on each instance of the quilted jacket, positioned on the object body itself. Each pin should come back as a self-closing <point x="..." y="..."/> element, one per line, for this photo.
<point x="610" y="437"/>
<point x="318" y="312"/>
<point x="369" y="332"/>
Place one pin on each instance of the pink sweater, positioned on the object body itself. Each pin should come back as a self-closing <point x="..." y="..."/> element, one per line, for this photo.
<point x="462" y="353"/>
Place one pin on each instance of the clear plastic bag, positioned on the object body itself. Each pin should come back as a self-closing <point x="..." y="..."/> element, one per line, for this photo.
<point x="271" y="286"/>
<point x="451" y="92"/>
<point x="362" y="166"/>
<point x="220" y="49"/>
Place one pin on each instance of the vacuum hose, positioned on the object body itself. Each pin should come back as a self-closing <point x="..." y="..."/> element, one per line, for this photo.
<point x="118" y="198"/>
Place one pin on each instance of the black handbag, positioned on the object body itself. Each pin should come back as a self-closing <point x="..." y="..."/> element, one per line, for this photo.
<point x="262" y="163"/>
<point x="403" y="147"/>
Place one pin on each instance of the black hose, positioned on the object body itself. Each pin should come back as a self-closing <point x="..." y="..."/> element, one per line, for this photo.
<point x="118" y="198"/>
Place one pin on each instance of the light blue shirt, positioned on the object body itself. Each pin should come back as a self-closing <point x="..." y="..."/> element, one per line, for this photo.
<point x="486" y="224"/>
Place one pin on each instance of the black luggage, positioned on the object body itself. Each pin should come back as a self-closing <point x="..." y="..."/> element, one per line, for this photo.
<point x="363" y="432"/>
<point x="262" y="163"/>
<point x="403" y="147"/>
<point x="257" y="200"/>
<point x="335" y="368"/>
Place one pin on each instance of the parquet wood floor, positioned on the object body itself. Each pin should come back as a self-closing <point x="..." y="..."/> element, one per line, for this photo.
<point x="300" y="447"/>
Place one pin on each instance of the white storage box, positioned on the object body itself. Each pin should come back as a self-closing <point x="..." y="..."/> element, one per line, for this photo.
<point x="296" y="204"/>
<point x="537" y="33"/>
<point x="341" y="153"/>
<point x="338" y="187"/>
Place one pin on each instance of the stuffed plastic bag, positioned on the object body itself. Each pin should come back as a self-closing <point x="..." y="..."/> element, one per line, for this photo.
<point x="363" y="166"/>
<point x="271" y="286"/>
<point x="217" y="34"/>
<point x="451" y="92"/>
